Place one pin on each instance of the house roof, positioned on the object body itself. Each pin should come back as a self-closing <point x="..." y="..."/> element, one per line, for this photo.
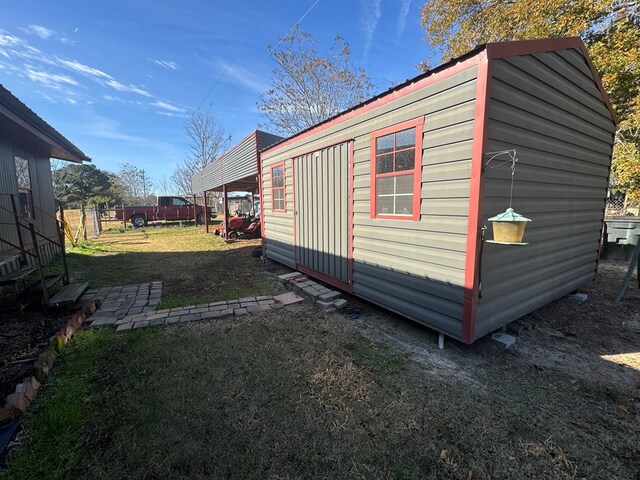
<point x="493" y="51"/>
<point x="31" y="123"/>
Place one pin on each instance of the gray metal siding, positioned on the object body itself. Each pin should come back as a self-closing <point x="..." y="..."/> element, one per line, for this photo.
<point x="413" y="268"/>
<point x="549" y="108"/>
<point x="322" y="211"/>
<point x="42" y="191"/>
<point x="240" y="162"/>
<point x="265" y="139"/>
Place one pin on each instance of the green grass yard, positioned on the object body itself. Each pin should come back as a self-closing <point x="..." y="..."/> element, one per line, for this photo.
<point x="296" y="394"/>
<point x="194" y="267"/>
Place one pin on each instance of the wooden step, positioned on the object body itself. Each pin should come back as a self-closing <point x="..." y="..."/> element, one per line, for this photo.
<point x="68" y="294"/>
<point x="16" y="275"/>
<point x="50" y="281"/>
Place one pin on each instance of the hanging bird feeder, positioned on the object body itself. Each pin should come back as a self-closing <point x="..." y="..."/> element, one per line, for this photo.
<point x="508" y="226"/>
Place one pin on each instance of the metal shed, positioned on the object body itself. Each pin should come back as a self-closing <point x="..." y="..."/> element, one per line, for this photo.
<point x="388" y="199"/>
<point x="234" y="170"/>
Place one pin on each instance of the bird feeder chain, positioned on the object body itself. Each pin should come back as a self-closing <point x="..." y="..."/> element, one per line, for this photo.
<point x="513" y="159"/>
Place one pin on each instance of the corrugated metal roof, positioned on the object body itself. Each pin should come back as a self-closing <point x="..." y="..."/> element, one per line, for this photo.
<point x="238" y="165"/>
<point x="56" y="139"/>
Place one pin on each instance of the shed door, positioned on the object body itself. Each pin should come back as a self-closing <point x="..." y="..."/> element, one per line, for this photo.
<point x="322" y="213"/>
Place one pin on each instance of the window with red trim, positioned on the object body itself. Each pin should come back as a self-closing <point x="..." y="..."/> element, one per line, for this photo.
<point x="277" y="188"/>
<point x="396" y="161"/>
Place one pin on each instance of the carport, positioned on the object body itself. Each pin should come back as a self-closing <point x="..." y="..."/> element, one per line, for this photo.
<point x="235" y="170"/>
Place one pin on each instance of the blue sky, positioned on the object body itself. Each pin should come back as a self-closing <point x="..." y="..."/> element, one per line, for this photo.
<point x="116" y="77"/>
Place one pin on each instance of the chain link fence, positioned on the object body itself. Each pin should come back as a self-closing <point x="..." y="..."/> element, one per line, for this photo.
<point x="616" y="207"/>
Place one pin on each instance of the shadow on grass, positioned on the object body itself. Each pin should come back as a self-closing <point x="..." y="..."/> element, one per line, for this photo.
<point x="188" y="277"/>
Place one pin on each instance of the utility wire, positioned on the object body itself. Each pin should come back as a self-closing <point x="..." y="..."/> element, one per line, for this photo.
<point x="221" y="76"/>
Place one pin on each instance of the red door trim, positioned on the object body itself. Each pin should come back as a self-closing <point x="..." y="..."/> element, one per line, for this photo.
<point x="471" y="272"/>
<point x="346" y="286"/>
<point x="351" y="213"/>
<point x="324" y="278"/>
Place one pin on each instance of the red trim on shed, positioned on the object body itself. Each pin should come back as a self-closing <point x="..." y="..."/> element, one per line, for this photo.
<point x="352" y="190"/>
<point x="498" y="50"/>
<point x="471" y="272"/>
<point x="283" y="187"/>
<point x="324" y="278"/>
<point x="420" y="82"/>
<point x="416" y="123"/>
<point x="295" y="211"/>
<point x="262" y="206"/>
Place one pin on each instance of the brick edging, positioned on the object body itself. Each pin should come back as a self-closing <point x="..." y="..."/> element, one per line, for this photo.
<point x="18" y="402"/>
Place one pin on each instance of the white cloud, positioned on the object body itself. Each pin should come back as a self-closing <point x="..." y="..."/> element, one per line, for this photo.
<point x="169" y="114"/>
<point x="84" y="69"/>
<point x="245" y="77"/>
<point x="52" y="80"/>
<point x="39" y="31"/>
<point x="71" y="101"/>
<point x="167" y="106"/>
<point x="165" y="63"/>
<point x="372" y="12"/>
<point x="9" y="40"/>
<point x="402" y="18"/>
<point x="127" y="88"/>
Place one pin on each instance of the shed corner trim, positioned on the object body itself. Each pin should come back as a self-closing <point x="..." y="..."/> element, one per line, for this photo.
<point x="471" y="285"/>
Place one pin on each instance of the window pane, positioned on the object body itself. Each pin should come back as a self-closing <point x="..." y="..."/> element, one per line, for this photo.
<point x="406" y="138"/>
<point x="404" y="184"/>
<point x="384" y="144"/>
<point x="278" y="182"/>
<point x="384" y="205"/>
<point x="384" y="163"/>
<point x="178" y="202"/>
<point x="22" y="172"/>
<point x="278" y="204"/>
<point x="405" y="160"/>
<point x="404" y="205"/>
<point x="277" y="171"/>
<point x="278" y="194"/>
<point x="385" y="186"/>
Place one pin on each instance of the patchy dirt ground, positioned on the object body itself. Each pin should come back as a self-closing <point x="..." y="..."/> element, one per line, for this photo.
<point x="21" y="341"/>
<point x="597" y="342"/>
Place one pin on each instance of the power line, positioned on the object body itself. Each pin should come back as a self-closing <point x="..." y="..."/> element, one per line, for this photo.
<point x="221" y="76"/>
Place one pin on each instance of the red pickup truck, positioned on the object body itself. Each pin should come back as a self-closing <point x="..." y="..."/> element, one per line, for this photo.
<point x="167" y="208"/>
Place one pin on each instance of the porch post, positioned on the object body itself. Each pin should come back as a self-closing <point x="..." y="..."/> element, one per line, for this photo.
<point x="206" y="212"/>
<point x="225" y="207"/>
<point x="195" y="210"/>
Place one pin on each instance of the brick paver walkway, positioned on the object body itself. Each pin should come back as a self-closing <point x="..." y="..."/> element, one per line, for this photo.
<point x="118" y="302"/>
<point x="133" y="306"/>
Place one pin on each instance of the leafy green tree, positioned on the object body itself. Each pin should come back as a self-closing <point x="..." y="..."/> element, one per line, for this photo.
<point x="76" y="184"/>
<point x="609" y="28"/>
<point x="308" y="87"/>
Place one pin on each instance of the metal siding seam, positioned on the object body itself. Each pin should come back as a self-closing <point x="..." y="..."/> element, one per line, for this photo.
<point x="471" y="277"/>
<point x="351" y="213"/>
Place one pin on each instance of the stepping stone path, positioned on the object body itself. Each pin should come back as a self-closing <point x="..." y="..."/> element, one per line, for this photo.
<point x="118" y="302"/>
<point x="134" y="306"/>
<point x="324" y="298"/>
<point x="203" y="311"/>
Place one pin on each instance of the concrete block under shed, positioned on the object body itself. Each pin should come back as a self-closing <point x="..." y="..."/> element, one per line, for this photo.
<point x="579" y="297"/>
<point x="503" y="340"/>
